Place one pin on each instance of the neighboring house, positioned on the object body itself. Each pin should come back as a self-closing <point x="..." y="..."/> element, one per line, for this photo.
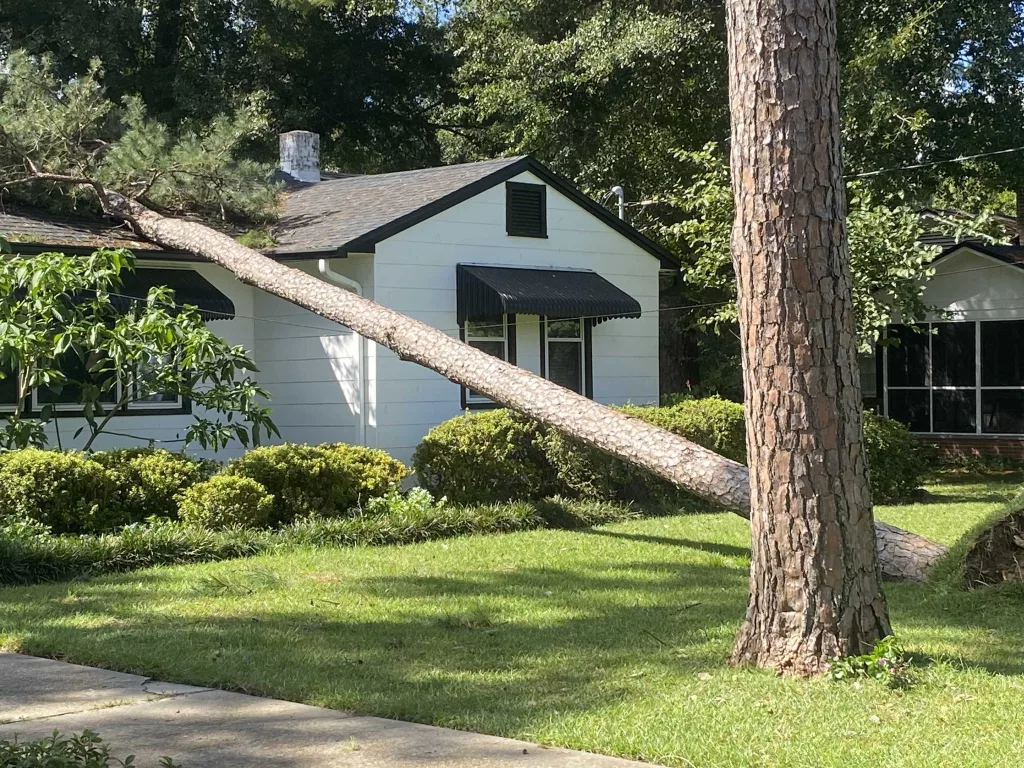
<point x="962" y="384"/>
<point x="503" y="253"/>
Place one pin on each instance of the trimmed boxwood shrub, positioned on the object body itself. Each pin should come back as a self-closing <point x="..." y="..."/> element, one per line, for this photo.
<point x="590" y="473"/>
<point x="226" y="501"/>
<point x="896" y="459"/>
<point x="323" y="480"/>
<point x="484" y="457"/>
<point x="152" y="480"/>
<point x="66" y="491"/>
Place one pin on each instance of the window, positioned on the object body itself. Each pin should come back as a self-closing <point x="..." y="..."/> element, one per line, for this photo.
<point x="9" y="390"/>
<point x="565" y="354"/>
<point x="526" y="210"/>
<point x="148" y="396"/>
<point x="957" y="377"/>
<point x="79" y="373"/>
<point x="495" y="337"/>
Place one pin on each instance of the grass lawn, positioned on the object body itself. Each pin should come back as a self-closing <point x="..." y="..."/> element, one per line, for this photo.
<point x="612" y="640"/>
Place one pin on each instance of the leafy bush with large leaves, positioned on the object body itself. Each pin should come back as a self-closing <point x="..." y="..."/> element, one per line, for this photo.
<point x="67" y="334"/>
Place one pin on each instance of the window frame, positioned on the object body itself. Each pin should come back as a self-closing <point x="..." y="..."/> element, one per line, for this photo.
<point x="977" y="388"/>
<point x="585" y="340"/>
<point x="162" y="406"/>
<point x="539" y="189"/>
<point x="471" y="400"/>
<point x="33" y="405"/>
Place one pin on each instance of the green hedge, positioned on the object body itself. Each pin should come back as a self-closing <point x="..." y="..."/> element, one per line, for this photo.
<point x="66" y="491"/>
<point x="322" y="480"/>
<point x="226" y="501"/>
<point x="29" y="559"/>
<point x="587" y="472"/>
<point x="485" y="457"/>
<point x="897" y="461"/>
<point x="498" y="456"/>
<point x="152" y="480"/>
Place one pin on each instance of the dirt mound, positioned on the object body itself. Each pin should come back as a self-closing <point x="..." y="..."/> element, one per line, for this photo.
<point x="998" y="554"/>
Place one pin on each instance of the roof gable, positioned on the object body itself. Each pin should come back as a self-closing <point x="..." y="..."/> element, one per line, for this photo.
<point x="353" y="214"/>
<point x="1009" y="254"/>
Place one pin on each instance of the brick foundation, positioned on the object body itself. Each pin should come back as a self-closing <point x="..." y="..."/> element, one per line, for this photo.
<point x="956" y="447"/>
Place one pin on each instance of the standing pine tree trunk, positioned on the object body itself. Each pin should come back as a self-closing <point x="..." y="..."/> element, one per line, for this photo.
<point x="814" y="586"/>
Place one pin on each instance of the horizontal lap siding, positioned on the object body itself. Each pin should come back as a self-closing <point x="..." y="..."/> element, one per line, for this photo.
<point x="309" y="365"/>
<point x="414" y="273"/>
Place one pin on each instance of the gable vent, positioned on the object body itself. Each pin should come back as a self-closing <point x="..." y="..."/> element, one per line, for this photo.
<point x="526" y="210"/>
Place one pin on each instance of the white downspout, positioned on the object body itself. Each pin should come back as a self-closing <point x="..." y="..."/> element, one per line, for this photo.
<point x="351" y="285"/>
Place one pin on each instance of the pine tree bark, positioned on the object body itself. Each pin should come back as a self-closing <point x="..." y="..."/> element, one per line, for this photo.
<point x="686" y="464"/>
<point x="815" y="590"/>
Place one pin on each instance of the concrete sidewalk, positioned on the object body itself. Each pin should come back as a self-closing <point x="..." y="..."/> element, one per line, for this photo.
<point x="205" y="728"/>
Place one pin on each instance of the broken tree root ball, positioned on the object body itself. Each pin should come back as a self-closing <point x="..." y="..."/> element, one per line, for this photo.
<point x="997" y="555"/>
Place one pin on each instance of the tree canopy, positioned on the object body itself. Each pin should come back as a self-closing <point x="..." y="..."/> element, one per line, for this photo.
<point x="368" y="75"/>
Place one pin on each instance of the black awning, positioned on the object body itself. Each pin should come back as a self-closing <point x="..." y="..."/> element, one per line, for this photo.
<point x="489" y="292"/>
<point x="189" y="288"/>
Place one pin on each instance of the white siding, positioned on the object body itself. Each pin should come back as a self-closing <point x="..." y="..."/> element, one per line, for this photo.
<point x="309" y="364"/>
<point x="168" y="430"/>
<point x="414" y="273"/>
<point x="972" y="286"/>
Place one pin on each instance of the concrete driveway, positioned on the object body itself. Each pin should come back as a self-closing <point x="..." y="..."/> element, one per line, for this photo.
<point x="205" y="728"/>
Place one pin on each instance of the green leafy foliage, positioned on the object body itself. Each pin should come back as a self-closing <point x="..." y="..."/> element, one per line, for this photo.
<point x="152" y="480"/>
<point x="324" y="480"/>
<point x="58" y="315"/>
<point x="484" y="457"/>
<point x="226" y="501"/>
<point x="887" y="663"/>
<point x="68" y="130"/>
<point x="896" y="459"/>
<point x="377" y="472"/>
<point x="29" y="557"/>
<point x="368" y="75"/>
<point x="889" y="265"/>
<point x="84" y="750"/>
<point x="418" y="501"/>
<point x="589" y="473"/>
<point x="65" y="491"/>
<point x="500" y="456"/>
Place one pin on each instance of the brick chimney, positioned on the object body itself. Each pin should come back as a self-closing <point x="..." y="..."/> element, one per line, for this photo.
<point x="300" y="155"/>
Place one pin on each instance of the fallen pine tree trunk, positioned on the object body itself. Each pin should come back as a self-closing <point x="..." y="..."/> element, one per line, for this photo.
<point x="902" y="555"/>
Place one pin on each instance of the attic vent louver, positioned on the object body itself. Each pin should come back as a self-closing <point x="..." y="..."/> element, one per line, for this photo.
<point x="526" y="210"/>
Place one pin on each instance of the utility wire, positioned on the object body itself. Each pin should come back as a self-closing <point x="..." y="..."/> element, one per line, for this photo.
<point x="892" y="169"/>
<point x="456" y="331"/>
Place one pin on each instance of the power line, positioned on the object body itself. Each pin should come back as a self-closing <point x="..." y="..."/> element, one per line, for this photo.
<point x="891" y="169"/>
<point x="933" y="163"/>
<point x="456" y="331"/>
<point x="449" y="331"/>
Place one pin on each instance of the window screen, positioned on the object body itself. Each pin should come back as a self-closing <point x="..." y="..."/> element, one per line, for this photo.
<point x="526" y="210"/>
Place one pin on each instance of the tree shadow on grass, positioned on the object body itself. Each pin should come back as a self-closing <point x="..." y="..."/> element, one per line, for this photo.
<point x="728" y="550"/>
<point x="494" y="650"/>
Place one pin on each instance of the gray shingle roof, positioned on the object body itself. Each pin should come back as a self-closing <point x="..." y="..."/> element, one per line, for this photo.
<point x="338" y="212"/>
<point x="35" y="226"/>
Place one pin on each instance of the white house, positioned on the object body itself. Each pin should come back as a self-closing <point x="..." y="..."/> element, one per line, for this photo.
<point x="504" y="253"/>
<point x="961" y="386"/>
